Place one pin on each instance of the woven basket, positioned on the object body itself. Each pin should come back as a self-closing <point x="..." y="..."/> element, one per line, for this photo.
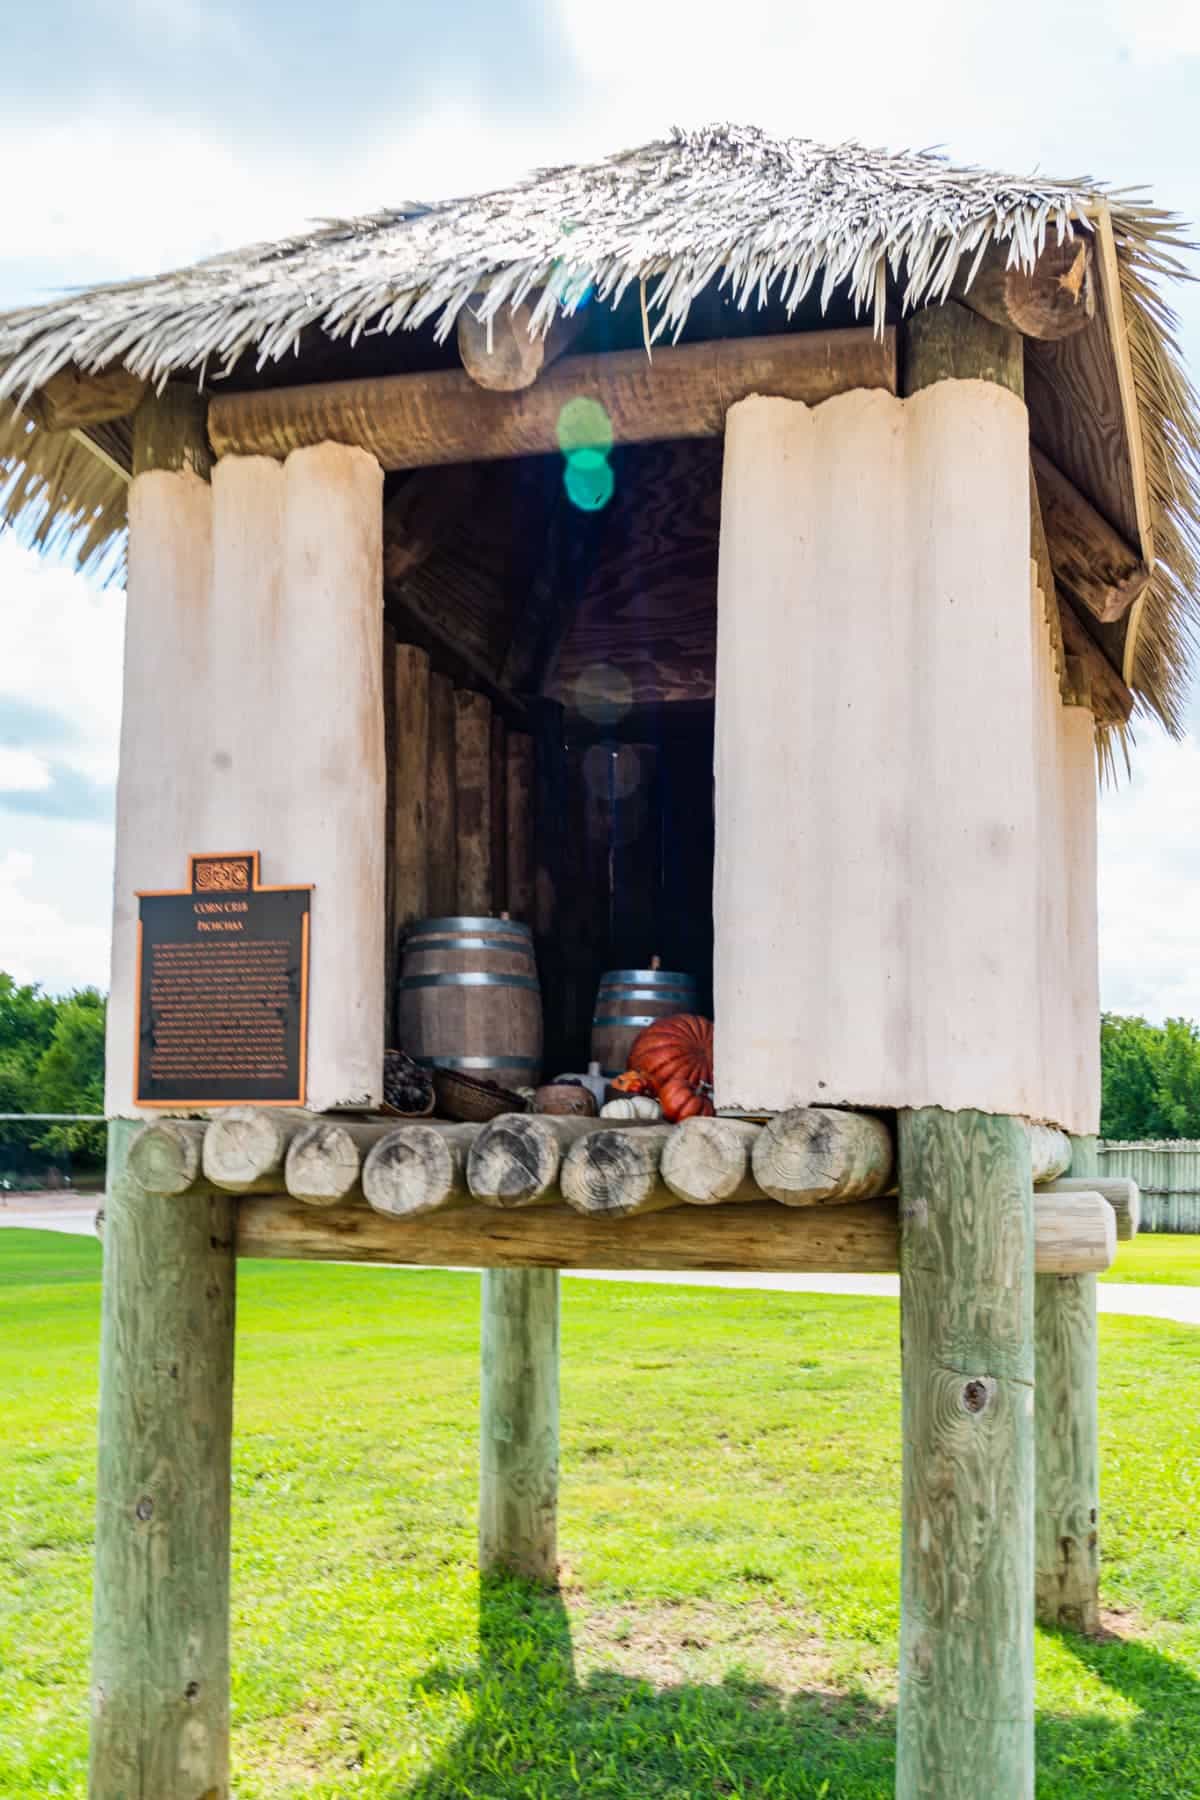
<point x="475" y="1102"/>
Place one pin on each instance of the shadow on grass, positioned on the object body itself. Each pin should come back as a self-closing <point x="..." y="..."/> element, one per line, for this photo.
<point x="537" y="1732"/>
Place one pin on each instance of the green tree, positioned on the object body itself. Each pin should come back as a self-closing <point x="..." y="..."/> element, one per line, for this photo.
<point x="70" y="1074"/>
<point x="1178" y="1086"/>
<point x="1129" y="1069"/>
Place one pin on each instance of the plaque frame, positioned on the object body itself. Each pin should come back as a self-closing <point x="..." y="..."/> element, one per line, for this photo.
<point x="251" y="860"/>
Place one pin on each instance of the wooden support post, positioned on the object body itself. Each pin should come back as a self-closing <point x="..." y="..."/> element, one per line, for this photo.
<point x="518" y="1418"/>
<point x="473" y="802"/>
<point x="1067" y="1541"/>
<point x="499" y="787"/>
<point x="160" y="1661"/>
<point x="410" y="777"/>
<point x="519" y="827"/>
<point x="965" y="1720"/>
<point x="441" y="844"/>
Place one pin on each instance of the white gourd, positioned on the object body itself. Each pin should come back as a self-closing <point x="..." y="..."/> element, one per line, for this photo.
<point x="632" y="1106"/>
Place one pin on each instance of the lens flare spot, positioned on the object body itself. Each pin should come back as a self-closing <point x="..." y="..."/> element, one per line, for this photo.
<point x="583" y="424"/>
<point x="603" y="693"/>
<point x="588" y="480"/>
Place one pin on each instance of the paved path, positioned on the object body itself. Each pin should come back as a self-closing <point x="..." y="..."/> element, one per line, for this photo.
<point x="76" y="1213"/>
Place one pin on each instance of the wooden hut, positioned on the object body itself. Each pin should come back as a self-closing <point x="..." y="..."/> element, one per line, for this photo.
<point x="735" y="518"/>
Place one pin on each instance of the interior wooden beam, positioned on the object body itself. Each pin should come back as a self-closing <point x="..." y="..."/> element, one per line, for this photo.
<point x="74" y="398"/>
<point x="1054" y="299"/>
<point x="1101" y="570"/>
<point x="417" y="421"/>
<point x="1108" y="696"/>
<point x="423" y="513"/>
<point x="500" y="354"/>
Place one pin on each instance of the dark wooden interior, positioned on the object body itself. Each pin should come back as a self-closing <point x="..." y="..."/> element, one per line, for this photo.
<point x="593" y="630"/>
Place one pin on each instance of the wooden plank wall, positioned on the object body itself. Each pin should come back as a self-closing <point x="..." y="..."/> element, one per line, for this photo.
<point x="460" y="803"/>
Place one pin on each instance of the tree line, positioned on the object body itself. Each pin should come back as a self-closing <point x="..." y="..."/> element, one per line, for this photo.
<point x="51" y="1060"/>
<point x="1150" y="1078"/>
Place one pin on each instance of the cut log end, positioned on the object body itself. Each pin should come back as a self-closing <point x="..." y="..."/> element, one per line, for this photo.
<point x="615" y="1174"/>
<point x="165" y="1157"/>
<point x="514" y="1161"/>
<point x="414" y="1170"/>
<point x="246" y="1146"/>
<point x="707" y="1161"/>
<point x="814" y="1155"/>
<point x="323" y="1164"/>
<point x="1053" y="299"/>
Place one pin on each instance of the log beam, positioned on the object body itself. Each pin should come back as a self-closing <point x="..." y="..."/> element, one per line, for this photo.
<point x="416" y="421"/>
<point x="160" y="1659"/>
<point x="1121" y="1192"/>
<point x="1091" y="560"/>
<point x="965" y="1713"/>
<point x="814" y="1155"/>
<point x="862" y="1238"/>
<point x="498" y="353"/>
<point x="1053" y="299"/>
<point x="74" y="398"/>
<point x="418" y="1169"/>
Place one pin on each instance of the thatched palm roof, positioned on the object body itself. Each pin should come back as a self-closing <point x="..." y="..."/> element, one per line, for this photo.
<point x="768" y="218"/>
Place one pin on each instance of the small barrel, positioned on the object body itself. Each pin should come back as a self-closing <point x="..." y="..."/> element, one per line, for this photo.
<point x="627" y="1000"/>
<point x="468" y="999"/>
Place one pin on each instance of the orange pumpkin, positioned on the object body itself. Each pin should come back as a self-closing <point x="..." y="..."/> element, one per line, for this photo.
<point x="676" y="1054"/>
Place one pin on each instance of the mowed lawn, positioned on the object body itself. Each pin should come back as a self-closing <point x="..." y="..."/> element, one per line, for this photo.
<point x="729" y="1530"/>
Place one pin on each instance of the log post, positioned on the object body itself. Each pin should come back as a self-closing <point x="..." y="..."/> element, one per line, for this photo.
<point x="160" y="1659"/>
<point x="473" y="802"/>
<point x="518" y="1420"/>
<point x="1067" y="1542"/>
<point x="965" y="1720"/>
<point x="441" y="844"/>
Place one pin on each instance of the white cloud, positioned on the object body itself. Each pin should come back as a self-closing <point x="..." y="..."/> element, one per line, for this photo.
<point x="62" y="650"/>
<point x="38" y="941"/>
<point x="22" y="772"/>
<point x="1150" y="884"/>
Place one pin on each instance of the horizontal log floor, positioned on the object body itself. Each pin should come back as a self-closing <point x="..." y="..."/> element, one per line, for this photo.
<point x="535" y="1192"/>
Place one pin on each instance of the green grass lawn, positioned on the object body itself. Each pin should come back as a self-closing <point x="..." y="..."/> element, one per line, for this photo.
<point x="729" y="1529"/>
<point x="1161" y="1257"/>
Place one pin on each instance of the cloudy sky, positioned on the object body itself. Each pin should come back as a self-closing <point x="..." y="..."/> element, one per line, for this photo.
<point x="147" y="133"/>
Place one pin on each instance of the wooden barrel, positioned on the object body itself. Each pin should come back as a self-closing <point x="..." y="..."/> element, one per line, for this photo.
<point x="629" y="999"/>
<point x="468" y="999"/>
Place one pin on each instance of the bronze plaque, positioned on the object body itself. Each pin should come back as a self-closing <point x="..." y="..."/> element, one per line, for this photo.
<point x="222" y="989"/>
